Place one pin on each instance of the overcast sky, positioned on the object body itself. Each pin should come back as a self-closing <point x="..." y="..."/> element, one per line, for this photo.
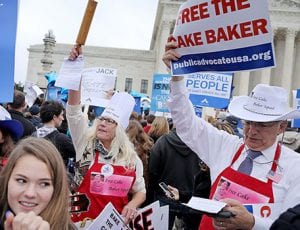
<point x="116" y="23"/>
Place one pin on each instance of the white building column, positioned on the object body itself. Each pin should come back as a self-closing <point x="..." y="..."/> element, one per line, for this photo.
<point x="279" y="44"/>
<point x="266" y="76"/>
<point x="288" y="59"/>
<point x="296" y="73"/>
<point x="165" y="29"/>
<point x="241" y="83"/>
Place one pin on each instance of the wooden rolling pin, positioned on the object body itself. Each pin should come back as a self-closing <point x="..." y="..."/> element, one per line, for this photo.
<point x="86" y="22"/>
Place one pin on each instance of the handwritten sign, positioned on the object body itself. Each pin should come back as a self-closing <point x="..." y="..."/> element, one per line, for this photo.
<point x="95" y="83"/>
<point x="223" y="36"/>
<point x="230" y="189"/>
<point x="69" y="75"/>
<point x="113" y="185"/>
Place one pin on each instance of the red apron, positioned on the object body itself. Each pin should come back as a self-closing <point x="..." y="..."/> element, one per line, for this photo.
<point x="97" y="202"/>
<point x="263" y="188"/>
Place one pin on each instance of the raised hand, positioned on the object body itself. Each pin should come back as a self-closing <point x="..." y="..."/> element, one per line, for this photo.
<point x="75" y="52"/>
<point x="25" y="221"/>
<point x="170" y="53"/>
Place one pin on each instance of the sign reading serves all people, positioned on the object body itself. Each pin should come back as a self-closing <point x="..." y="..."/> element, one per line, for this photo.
<point x="223" y="36"/>
<point x="8" y="29"/>
<point x="206" y="89"/>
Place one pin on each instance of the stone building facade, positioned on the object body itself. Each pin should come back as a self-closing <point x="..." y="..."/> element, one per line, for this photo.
<point x="136" y="67"/>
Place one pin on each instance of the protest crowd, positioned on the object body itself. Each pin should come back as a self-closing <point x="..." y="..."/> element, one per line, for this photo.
<point x="125" y="147"/>
<point x="74" y="165"/>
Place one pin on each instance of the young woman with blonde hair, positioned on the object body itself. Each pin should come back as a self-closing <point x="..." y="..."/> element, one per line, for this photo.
<point x="34" y="188"/>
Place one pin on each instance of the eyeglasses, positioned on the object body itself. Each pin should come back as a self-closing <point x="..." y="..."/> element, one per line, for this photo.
<point x="107" y="120"/>
<point x="260" y="124"/>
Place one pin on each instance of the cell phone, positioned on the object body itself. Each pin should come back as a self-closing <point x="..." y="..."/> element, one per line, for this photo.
<point x="225" y="214"/>
<point x="165" y="188"/>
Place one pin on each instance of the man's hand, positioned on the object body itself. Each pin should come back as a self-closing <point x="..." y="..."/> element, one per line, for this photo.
<point x="175" y="193"/>
<point x="75" y="52"/>
<point x="242" y="219"/>
<point x="170" y="53"/>
<point x="25" y="221"/>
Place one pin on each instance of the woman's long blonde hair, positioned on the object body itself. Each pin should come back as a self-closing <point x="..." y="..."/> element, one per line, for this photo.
<point x="121" y="148"/>
<point x="56" y="212"/>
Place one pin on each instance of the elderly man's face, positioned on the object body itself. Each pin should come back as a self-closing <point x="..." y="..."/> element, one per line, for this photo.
<point x="261" y="135"/>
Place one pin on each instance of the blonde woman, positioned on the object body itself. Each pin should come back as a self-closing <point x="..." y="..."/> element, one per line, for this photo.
<point x="34" y="188"/>
<point x="106" y="156"/>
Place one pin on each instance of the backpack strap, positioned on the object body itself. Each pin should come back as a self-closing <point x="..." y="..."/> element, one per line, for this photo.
<point x="52" y="136"/>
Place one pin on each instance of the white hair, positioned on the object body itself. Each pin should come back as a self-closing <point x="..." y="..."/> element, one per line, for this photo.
<point x="121" y="148"/>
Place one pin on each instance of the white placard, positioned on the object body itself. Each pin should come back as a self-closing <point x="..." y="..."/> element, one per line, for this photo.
<point x="32" y="92"/>
<point x="69" y="75"/>
<point x="109" y="218"/>
<point x="95" y="84"/>
<point x="206" y="205"/>
<point x="223" y="36"/>
<point x="151" y="217"/>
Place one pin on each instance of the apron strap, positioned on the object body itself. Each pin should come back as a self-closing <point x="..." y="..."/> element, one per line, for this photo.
<point x="238" y="153"/>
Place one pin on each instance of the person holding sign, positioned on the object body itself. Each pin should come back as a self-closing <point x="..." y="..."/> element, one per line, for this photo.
<point x="34" y="188"/>
<point x="110" y="169"/>
<point x="263" y="176"/>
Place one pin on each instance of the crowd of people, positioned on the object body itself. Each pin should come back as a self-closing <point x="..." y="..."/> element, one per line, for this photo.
<point x="240" y="159"/>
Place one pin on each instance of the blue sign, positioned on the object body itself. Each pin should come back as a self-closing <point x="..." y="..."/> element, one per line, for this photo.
<point x="208" y="89"/>
<point x="160" y="93"/>
<point x="137" y="106"/>
<point x="98" y="110"/>
<point x="8" y="29"/>
<point x="296" y="122"/>
<point x="55" y="93"/>
<point x="253" y="57"/>
<point x="198" y="110"/>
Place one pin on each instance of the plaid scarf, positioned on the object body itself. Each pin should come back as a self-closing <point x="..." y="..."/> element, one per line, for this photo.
<point x="99" y="146"/>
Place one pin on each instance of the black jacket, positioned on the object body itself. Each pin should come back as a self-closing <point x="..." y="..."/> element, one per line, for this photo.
<point x="172" y="162"/>
<point x="64" y="145"/>
<point x="29" y="128"/>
